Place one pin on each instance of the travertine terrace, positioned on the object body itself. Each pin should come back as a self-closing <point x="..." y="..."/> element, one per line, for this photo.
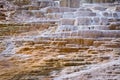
<point x="59" y="40"/>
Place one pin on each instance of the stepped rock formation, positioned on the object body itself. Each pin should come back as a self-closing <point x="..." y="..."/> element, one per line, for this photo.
<point x="66" y="40"/>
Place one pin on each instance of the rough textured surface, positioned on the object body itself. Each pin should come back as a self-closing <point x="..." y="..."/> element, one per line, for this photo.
<point x="40" y="40"/>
